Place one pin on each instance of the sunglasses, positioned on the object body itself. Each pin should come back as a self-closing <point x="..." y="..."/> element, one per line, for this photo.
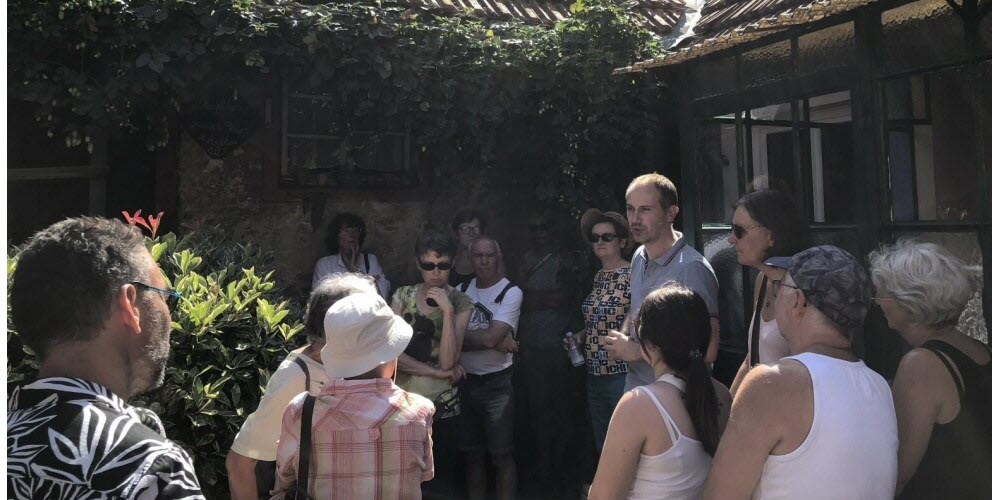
<point x="469" y="229"/>
<point x="606" y="237"/>
<point x="740" y="231"/>
<point x="171" y="297"/>
<point x="428" y="266"/>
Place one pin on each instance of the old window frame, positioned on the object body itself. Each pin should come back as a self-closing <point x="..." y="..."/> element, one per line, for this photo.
<point x="407" y="177"/>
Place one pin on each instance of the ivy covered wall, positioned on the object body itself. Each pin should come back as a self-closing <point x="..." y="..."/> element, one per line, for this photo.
<point x="504" y="115"/>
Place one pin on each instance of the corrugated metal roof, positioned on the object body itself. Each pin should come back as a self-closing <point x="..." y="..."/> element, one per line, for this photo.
<point x="658" y="16"/>
<point x="727" y="23"/>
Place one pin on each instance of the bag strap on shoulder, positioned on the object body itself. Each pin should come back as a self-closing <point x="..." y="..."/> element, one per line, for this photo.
<point x="368" y="267"/>
<point x="503" y="292"/>
<point x="305" y="448"/>
<point x="755" y="328"/>
<point x="305" y="369"/>
<point x="465" y="285"/>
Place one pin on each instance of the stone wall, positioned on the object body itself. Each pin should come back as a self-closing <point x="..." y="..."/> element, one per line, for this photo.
<point x="230" y="193"/>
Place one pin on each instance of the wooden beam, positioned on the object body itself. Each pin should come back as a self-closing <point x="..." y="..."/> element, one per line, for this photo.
<point x="52" y="173"/>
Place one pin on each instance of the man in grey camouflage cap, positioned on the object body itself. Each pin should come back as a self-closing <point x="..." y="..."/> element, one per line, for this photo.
<point x="819" y="423"/>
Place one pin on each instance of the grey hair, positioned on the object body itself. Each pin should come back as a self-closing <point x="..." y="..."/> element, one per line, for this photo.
<point x="488" y="238"/>
<point x="329" y="290"/>
<point x="930" y="284"/>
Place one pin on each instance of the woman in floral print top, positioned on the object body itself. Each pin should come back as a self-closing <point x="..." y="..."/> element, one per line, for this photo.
<point x="605" y="309"/>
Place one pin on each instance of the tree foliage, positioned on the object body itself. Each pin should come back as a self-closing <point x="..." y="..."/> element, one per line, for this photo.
<point x="472" y="91"/>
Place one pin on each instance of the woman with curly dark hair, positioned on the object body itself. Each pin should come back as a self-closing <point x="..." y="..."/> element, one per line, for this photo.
<point x="345" y="237"/>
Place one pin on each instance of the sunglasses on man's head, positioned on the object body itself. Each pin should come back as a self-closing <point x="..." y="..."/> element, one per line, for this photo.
<point x="605" y="237"/>
<point x="429" y="266"/>
<point x="740" y="231"/>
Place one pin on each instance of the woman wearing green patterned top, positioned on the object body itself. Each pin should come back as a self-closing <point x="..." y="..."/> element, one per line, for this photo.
<point x="439" y="315"/>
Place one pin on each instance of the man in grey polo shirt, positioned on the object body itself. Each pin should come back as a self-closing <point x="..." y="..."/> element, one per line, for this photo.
<point x="664" y="257"/>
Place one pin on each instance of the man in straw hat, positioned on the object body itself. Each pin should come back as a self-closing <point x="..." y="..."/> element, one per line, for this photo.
<point x="369" y="438"/>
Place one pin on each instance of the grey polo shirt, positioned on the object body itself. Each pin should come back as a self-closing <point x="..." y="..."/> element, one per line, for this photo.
<point x="683" y="265"/>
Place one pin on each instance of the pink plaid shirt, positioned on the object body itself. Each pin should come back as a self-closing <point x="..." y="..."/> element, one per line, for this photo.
<point x="370" y="439"/>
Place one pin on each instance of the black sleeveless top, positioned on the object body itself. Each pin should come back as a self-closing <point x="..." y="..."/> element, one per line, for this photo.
<point x="957" y="461"/>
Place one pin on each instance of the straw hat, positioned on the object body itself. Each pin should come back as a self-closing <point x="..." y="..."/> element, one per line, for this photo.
<point x="594" y="216"/>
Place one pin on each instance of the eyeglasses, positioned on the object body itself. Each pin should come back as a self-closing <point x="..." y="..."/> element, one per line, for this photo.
<point x="740" y="231"/>
<point x="429" y="266"/>
<point x="535" y="228"/>
<point x="777" y="283"/>
<point x="171" y="296"/>
<point x="606" y="237"/>
<point x="469" y="229"/>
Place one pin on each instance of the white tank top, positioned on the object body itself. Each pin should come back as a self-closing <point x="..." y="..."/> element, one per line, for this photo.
<point x="773" y="346"/>
<point x="850" y="451"/>
<point x="678" y="473"/>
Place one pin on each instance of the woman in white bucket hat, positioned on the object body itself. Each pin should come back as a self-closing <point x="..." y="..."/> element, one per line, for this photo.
<point x="365" y="431"/>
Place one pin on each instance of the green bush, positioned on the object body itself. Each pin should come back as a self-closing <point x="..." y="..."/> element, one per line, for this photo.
<point x="230" y="330"/>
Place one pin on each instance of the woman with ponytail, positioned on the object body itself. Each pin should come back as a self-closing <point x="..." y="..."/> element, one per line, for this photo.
<point x="663" y="435"/>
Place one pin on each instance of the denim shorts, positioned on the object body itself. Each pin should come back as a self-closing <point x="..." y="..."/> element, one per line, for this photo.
<point x="487" y="419"/>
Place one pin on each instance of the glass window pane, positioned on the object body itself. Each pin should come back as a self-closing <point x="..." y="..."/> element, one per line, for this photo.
<point x="313" y="162"/>
<point x="311" y="116"/>
<point x="921" y="34"/>
<point x="718" y="168"/>
<point x="771" y="151"/>
<point x="827" y="48"/>
<point x="931" y="146"/>
<point x="767" y="63"/>
<point x="828" y="149"/>
<point x="965" y="246"/>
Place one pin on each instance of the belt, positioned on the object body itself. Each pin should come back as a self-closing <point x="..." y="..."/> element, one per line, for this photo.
<point x="489" y="376"/>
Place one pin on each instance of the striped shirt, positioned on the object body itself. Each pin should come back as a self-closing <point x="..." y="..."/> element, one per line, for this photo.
<point x="370" y="439"/>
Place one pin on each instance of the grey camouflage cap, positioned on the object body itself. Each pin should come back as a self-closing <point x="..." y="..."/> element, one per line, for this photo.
<point x="832" y="280"/>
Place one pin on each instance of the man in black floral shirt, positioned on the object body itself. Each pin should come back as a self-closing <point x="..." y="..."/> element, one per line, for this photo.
<point x="88" y="298"/>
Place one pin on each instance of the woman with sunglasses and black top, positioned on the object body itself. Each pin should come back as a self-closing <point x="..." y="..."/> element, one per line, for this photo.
<point x="766" y="224"/>
<point x="439" y="315"/>
<point x="605" y="309"/>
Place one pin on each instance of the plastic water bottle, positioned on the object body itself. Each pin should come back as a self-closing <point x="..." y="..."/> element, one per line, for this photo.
<point x="574" y="351"/>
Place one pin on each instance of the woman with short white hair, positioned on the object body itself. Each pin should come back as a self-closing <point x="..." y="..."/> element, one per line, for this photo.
<point x="942" y="387"/>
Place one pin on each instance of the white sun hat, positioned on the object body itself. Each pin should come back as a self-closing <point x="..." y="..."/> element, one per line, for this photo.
<point x="362" y="332"/>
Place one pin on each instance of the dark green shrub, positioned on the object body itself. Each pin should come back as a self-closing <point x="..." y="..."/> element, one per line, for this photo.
<point x="230" y="330"/>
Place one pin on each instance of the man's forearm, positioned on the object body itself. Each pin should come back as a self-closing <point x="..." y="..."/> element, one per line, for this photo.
<point x="475" y="340"/>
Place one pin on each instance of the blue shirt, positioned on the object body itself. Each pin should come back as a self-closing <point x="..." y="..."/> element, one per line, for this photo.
<point x="682" y="265"/>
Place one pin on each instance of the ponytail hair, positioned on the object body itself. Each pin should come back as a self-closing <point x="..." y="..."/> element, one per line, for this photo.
<point x="675" y="320"/>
